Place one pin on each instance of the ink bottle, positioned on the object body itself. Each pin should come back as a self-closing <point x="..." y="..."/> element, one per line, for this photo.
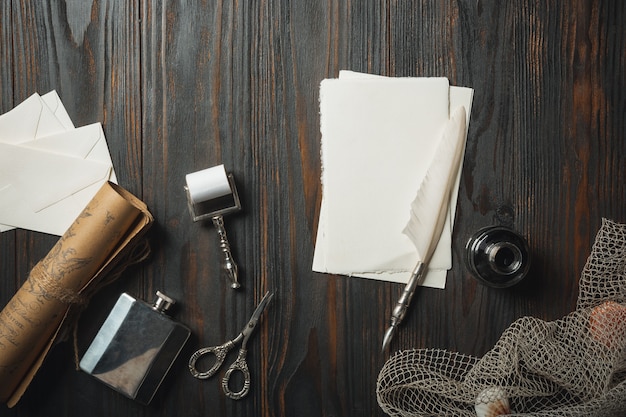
<point x="497" y="256"/>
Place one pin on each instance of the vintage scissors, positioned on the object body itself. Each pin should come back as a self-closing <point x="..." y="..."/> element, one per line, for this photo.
<point x="220" y="352"/>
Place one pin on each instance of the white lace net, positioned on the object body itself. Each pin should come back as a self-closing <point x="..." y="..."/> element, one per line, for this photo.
<point x="574" y="366"/>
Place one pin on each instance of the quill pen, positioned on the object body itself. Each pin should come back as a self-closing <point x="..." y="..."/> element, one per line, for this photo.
<point x="425" y="224"/>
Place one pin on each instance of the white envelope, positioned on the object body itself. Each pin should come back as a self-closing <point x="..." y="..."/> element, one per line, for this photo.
<point x="42" y="124"/>
<point x="31" y="119"/>
<point x="53" y="101"/>
<point x="23" y="120"/>
<point x="86" y="144"/>
<point x="42" y="178"/>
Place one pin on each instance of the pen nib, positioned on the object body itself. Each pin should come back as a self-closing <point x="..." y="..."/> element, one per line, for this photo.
<point x="388" y="336"/>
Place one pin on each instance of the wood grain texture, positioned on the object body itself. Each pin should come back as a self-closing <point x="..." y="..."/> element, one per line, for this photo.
<point x="180" y="86"/>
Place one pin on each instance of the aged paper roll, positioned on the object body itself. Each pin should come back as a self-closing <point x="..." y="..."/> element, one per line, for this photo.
<point x="81" y="257"/>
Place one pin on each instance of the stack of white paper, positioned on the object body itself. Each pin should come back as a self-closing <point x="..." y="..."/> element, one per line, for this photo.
<point x="379" y="136"/>
<point x="49" y="170"/>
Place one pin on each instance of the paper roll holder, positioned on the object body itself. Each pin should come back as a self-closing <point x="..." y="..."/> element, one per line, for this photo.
<point x="215" y="209"/>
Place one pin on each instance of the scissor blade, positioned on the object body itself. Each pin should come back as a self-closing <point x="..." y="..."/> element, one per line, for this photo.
<point x="254" y="319"/>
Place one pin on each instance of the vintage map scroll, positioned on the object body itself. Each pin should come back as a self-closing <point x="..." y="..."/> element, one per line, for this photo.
<point x="89" y="250"/>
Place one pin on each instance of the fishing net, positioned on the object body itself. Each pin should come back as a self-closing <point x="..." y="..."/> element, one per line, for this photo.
<point x="574" y="366"/>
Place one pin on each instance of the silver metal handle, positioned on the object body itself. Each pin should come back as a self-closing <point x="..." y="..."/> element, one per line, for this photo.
<point x="399" y="311"/>
<point x="417" y="277"/>
<point x="239" y="365"/>
<point x="219" y="354"/>
<point x="229" y="263"/>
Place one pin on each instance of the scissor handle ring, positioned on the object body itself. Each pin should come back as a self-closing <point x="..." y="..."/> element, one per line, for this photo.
<point x="220" y="354"/>
<point x="239" y="365"/>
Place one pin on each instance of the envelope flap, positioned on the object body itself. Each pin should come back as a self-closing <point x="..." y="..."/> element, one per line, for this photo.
<point x="53" y="101"/>
<point x="43" y="178"/>
<point x="28" y="120"/>
<point x="77" y="143"/>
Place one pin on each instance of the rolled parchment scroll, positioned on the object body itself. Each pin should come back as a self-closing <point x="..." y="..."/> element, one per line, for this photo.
<point x="95" y="246"/>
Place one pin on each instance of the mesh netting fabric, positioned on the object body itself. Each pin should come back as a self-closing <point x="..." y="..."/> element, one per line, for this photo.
<point x="574" y="366"/>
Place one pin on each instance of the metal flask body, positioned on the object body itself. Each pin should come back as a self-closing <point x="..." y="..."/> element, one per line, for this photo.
<point x="135" y="347"/>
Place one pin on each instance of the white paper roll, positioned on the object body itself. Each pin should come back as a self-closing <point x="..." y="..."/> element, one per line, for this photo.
<point x="208" y="184"/>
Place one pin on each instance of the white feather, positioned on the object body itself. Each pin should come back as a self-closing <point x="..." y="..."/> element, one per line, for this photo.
<point x="430" y="207"/>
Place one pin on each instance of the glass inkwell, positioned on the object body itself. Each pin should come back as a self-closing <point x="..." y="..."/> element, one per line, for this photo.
<point x="497" y="256"/>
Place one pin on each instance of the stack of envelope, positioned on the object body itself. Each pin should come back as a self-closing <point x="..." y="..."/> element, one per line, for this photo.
<point x="379" y="136"/>
<point x="49" y="170"/>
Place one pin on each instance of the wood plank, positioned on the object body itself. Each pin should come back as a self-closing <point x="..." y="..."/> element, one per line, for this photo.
<point x="181" y="86"/>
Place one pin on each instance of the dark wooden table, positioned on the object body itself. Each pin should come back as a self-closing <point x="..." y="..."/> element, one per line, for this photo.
<point x="184" y="85"/>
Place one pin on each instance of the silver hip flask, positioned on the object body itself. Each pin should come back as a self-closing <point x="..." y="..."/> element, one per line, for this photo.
<point x="135" y="347"/>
